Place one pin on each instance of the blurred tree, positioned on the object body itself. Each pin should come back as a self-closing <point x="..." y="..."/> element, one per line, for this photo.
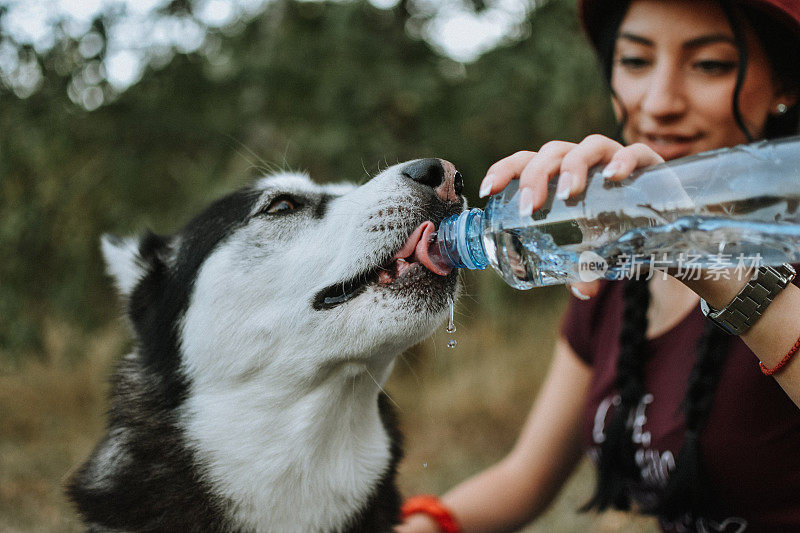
<point x="335" y="88"/>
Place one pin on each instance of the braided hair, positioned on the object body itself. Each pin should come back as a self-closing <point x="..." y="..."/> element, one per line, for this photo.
<point x="617" y="470"/>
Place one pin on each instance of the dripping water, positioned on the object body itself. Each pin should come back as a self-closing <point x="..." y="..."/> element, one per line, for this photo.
<point x="451" y="325"/>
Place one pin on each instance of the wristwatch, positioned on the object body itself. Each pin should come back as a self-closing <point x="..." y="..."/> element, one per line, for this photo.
<point x="751" y="302"/>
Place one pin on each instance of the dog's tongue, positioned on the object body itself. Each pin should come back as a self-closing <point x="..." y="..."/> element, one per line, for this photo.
<point x="418" y="245"/>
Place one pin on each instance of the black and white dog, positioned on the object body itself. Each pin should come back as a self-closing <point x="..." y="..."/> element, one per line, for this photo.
<point x="265" y="330"/>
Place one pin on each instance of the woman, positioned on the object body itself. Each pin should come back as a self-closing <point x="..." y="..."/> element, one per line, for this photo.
<point x="678" y="415"/>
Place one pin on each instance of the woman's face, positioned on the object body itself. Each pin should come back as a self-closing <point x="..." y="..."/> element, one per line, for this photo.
<point x="674" y="73"/>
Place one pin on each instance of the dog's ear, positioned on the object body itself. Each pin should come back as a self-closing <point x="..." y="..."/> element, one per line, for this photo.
<point x="129" y="260"/>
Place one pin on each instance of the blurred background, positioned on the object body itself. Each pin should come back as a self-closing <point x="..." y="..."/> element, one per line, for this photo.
<point x="125" y="115"/>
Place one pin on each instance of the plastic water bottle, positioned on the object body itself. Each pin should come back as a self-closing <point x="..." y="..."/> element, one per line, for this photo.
<point x="728" y="208"/>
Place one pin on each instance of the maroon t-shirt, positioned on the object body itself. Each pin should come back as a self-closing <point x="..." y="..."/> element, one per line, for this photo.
<point x="750" y="447"/>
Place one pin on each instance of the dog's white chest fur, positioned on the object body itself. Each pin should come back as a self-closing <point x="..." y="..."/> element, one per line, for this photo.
<point x="296" y="462"/>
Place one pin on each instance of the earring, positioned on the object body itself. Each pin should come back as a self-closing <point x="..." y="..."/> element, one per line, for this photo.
<point x="782" y="108"/>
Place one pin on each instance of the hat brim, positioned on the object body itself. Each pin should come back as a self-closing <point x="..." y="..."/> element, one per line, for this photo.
<point x="594" y="13"/>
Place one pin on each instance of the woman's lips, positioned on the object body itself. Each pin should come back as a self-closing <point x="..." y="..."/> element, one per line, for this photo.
<point x="671" y="146"/>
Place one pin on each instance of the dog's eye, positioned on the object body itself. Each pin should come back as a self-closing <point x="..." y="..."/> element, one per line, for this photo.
<point x="280" y="205"/>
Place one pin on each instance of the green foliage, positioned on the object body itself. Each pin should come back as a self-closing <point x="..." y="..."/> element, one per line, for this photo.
<point x="337" y="89"/>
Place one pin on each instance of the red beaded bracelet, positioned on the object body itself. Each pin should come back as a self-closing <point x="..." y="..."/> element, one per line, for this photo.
<point x="786" y="358"/>
<point x="434" y="508"/>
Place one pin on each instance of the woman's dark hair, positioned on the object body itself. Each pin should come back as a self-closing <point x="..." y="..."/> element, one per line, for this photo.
<point x="617" y="470"/>
<point x="782" y="47"/>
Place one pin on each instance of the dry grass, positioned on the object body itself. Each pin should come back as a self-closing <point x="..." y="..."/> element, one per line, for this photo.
<point x="460" y="409"/>
<point x="51" y="414"/>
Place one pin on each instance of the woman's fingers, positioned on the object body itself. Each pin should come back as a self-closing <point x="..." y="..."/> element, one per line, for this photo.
<point x="504" y="171"/>
<point x="628" y="159"/>
<point x="534" y="177"/>
<point x="585" y="290"/>
<point x="571" y="162"/>
<point x="593" y="150"/>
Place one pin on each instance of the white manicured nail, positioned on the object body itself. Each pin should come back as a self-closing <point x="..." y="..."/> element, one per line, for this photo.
<point x="525" y="202"/>
<point x="578" y="294"/>
<point x="611" y="169"/>
<point x="486" y="186"/>
<point x="565" y="182"/>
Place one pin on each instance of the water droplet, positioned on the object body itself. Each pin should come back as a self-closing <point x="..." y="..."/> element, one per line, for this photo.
<point x="451" y="325"/>
<point x="451" y="343"/>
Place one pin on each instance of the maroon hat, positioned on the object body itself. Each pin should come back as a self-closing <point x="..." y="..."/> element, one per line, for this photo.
<point x="787" y="12"/>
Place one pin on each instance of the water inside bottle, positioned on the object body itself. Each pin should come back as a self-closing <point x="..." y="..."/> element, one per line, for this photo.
<point x="538" y="255"/>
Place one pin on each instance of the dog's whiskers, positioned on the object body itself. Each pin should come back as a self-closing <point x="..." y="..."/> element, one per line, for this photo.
<point x="252" y="158"/>
<point x="381" y="388"/>
<point x="410" y="367"/>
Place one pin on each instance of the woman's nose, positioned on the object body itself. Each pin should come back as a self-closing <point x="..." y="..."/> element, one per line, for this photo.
<point x="664" y="96"/>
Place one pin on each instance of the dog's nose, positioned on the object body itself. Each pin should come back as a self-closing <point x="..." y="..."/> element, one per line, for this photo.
<point x="438" y="174"/>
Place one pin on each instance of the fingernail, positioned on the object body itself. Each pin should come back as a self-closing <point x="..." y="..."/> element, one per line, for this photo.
<point x="486" y="185"/>
<point x="525" y="202"/>
<point x="611" y="169"/>
<point x="578" y="294"/>
<point x="565" y="182"/>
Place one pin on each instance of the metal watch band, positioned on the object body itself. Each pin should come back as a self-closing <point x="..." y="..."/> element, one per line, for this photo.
<point x="751" y="302"/>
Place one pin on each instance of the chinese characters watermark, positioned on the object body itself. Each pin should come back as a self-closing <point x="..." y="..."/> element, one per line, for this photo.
<point x="686" y="265"/>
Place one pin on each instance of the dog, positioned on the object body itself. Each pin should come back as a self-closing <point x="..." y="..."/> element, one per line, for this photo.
<point x="264" y="331"/>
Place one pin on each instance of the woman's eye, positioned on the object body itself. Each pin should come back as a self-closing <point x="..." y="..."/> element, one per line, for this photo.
<point x="633" y="62"/>
<point x="280" y="206"/>
<point x="716" y="67"/>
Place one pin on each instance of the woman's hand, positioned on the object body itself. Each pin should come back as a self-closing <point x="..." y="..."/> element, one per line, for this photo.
<point x="571" y="162"/>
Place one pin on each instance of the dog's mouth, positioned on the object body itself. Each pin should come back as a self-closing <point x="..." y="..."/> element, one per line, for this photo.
<point x="411" y="256"/>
